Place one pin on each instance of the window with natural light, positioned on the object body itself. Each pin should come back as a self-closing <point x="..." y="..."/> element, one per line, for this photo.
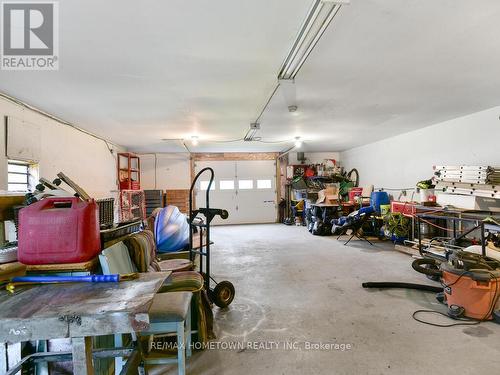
<point x="204" y="185"/>
<point x="18" y="176"/>
<point x="264" y="184"/>
<point x="226" y="184"/>
<point x="245" y="184"/>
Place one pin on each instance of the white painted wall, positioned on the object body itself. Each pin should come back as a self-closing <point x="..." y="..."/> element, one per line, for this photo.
<point x="83" y="158"/>
<point x="165" y="171"/>
<point x="313" y="157"/>
<point x="403" y="160"/>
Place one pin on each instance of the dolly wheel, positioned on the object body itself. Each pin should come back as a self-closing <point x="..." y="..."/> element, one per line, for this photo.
<point x="224" y="214"/>
<point x="223" y="294"/>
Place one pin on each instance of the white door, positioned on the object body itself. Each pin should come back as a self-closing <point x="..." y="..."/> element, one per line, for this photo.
<point x="246" y="189"/>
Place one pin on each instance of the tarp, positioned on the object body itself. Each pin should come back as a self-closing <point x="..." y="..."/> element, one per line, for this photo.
<point x="171" y="230"/>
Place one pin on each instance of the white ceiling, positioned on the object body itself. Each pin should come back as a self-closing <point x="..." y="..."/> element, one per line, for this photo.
<point x="137" y="72"/>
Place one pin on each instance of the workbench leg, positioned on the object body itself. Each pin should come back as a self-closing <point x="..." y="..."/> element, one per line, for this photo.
<point x="118" y="360"/>
<point x="189" y="349"/>
<point x="14" y="354"/>
<point x="82" y="355"/>
<point x="3" y="358"/>
<point x="181" y="348"/>
<point x="42" y="368"/>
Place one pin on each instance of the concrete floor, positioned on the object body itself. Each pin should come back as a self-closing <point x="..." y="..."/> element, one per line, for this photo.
<point x="296" y="288"/>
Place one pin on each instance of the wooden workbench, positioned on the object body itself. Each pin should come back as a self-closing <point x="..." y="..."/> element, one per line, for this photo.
<point x="78" y="311"/>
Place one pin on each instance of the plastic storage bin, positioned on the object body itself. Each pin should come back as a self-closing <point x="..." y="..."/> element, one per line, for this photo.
<point x="379" y="198"/>
<point x="59" y="230"/>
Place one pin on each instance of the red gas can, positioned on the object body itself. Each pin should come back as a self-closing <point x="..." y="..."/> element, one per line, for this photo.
<point x="59" y="230"/>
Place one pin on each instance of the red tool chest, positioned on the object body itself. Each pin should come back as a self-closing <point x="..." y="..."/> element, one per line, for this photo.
<point x="59" y="230"/>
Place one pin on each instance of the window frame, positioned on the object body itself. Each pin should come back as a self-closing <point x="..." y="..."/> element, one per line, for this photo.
<point x="27" y="174"/>
<point x="265" y="188"/>
<point x="224" y="188"/>
<point x="246" y="180"/>
<point x="205" y="188"/>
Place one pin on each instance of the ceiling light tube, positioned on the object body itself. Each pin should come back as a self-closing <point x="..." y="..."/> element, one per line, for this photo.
<point x="317" y="20"/>
<point x="304" y="30"/>
<point x="298" y="142"/>
<point x="194" y="140"/>
<point x="315" y="40"/>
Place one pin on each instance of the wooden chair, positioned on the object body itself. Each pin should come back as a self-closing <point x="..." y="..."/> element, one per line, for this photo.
<point x="142" y="250"/>
<point x="170" y="312"/>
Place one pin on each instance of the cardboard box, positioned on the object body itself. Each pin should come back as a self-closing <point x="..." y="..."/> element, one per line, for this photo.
<point x="328" y="195"/>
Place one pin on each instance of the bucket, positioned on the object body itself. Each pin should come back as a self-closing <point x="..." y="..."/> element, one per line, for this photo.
<point x="385" y="209"/>
<point x="427" y="195"/>
<point x="379" y="198"/>
<point x="427" y="230"/>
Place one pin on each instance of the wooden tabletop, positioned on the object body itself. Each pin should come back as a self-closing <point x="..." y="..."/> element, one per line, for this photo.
<point x="78" y="309"/>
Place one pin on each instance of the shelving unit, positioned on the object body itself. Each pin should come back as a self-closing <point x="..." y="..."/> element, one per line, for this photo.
<point x="132" y="205"/>
<point x="129" y="171"/>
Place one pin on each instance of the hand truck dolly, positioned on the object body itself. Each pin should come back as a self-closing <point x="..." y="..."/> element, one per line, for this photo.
<point x="199" y="220"/>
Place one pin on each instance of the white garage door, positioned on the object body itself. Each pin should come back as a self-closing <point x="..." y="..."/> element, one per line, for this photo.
<point x="245" y="188"/>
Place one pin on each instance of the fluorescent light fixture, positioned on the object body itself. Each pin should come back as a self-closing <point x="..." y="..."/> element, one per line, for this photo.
<point x="254" y="127"/>
<point x="194" y="140"/>
<point x="298" y="142"/>
<point x="317" y="20"/>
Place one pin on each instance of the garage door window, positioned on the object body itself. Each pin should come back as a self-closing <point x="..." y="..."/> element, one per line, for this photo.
<point x="264" y="184"/>
<point x="204" y="185"/>
<point x="245" y="184"/>
<point x="226" y="184"/>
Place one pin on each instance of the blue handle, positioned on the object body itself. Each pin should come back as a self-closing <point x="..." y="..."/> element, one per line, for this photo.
<point x="67" y="279"/>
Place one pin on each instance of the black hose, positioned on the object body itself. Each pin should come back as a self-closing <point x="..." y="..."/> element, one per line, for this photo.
<point x="431" y="268"/>
<point x="386" y="285"/>
<point x="349" y="176"/>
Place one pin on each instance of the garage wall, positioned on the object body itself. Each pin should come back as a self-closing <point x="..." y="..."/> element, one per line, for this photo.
<point x="165" y="171"/>
<point x="82" y="157"/>
<point x="313" y="157"/>
<point x="403" y="160"/>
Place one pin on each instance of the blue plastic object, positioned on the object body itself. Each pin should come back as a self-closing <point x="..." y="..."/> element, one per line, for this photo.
<point x="171" y="230"/>
<point x="366" y="210"/>
<point x="379" y="198"/>
<point x="354" y="216"/>
<point x="66" y="279"/>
